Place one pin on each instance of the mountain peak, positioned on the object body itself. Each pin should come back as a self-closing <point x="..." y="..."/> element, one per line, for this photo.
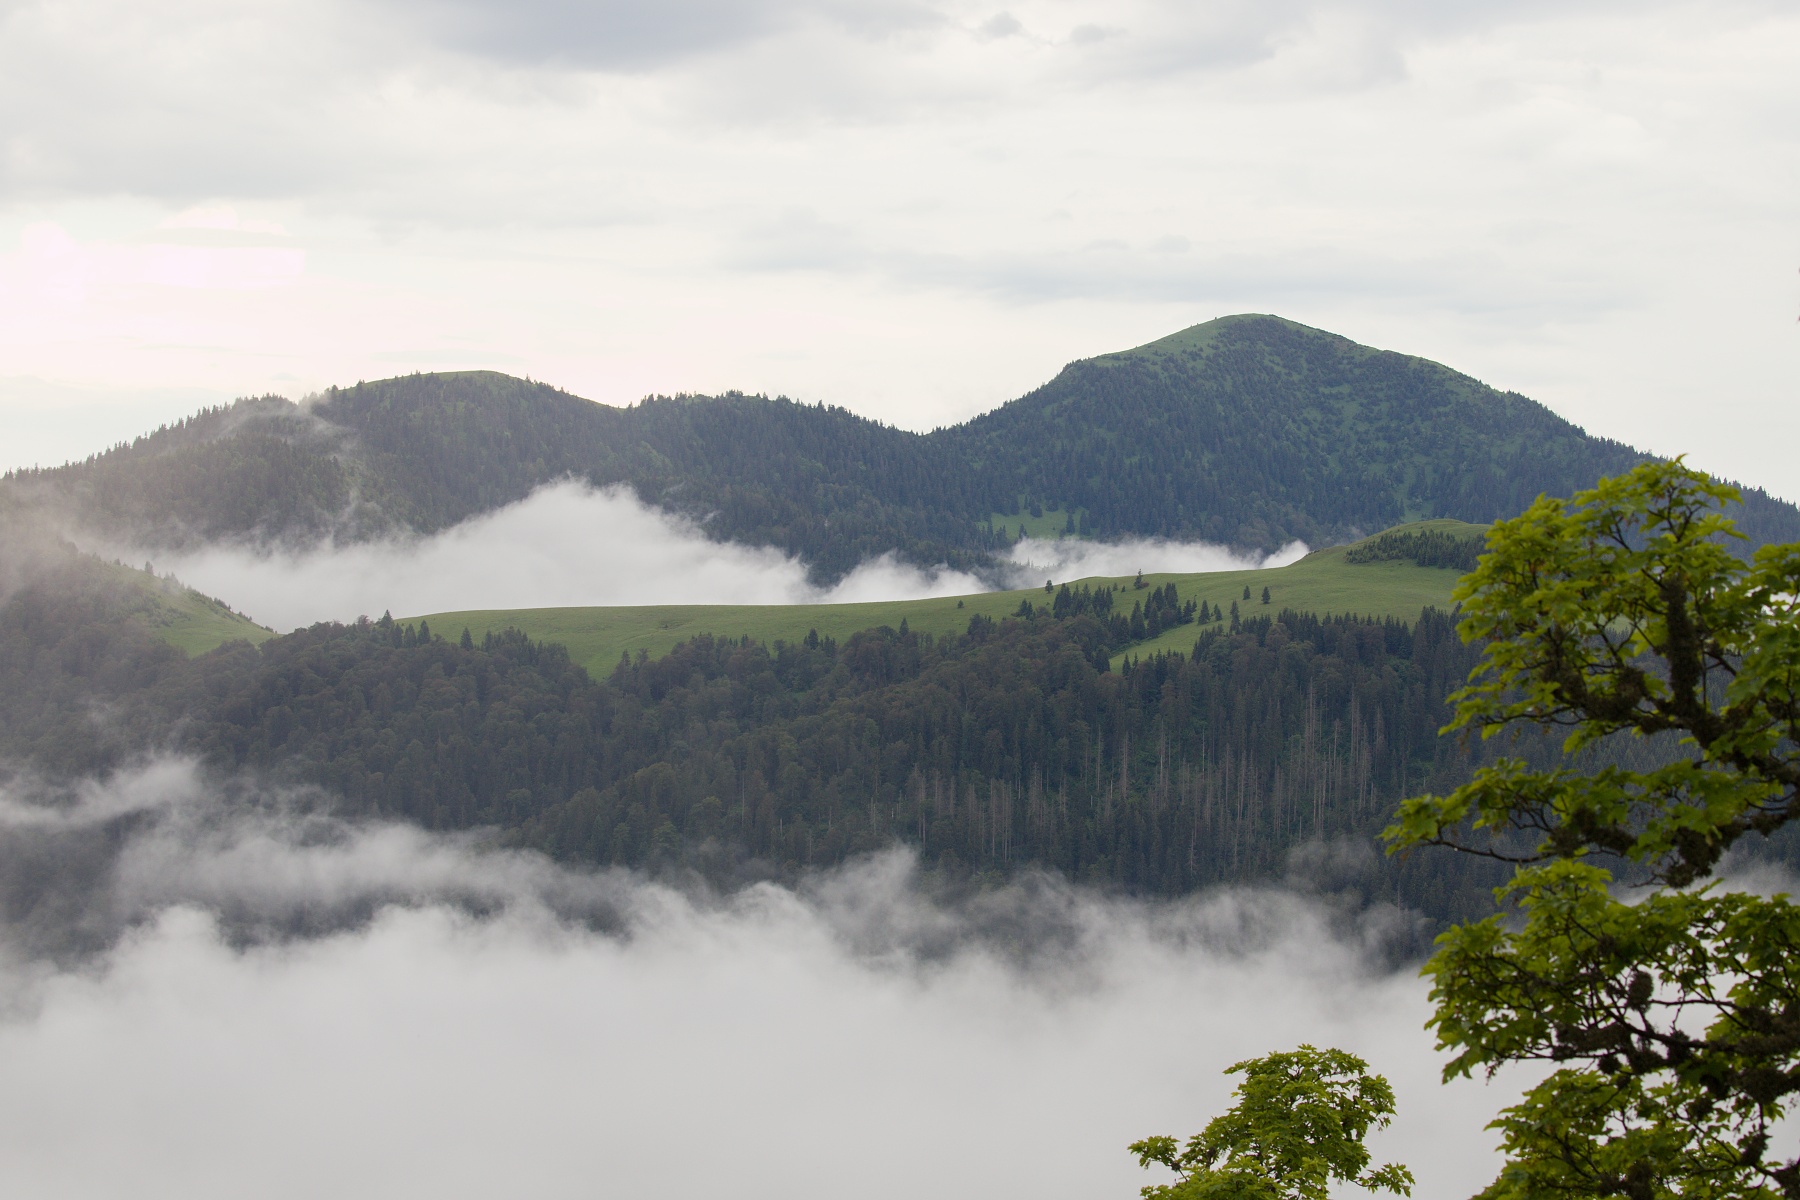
<point x="1204" y="336"/>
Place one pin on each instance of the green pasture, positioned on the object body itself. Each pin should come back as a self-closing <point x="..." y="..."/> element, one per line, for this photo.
<point x="182" y="617"/>
<point x="1322" y="582"/>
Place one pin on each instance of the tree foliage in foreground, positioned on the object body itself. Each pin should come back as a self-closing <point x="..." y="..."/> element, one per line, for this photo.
<point x="1297" y="1127"/>
<point x="1671" y="1011"/>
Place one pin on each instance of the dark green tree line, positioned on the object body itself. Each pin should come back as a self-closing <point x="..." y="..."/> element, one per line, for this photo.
<point x="1010" y="744"/>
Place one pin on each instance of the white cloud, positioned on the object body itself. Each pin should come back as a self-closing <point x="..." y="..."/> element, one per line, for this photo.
<point x="220" y="217"/>
<point x="1072" y="558"/>
<point x="886" y="578"/>
<point x="564" y="546"/>
<point x="432" y="1020"/>
<point x="568" y="546"/>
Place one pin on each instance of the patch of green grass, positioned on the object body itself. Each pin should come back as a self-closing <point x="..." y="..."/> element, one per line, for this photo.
<point x="1322" y="582"/>
<point x="182" y="617"/>
<point x="194" y="624"/>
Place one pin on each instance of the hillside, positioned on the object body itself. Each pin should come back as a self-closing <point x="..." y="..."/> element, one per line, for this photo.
<point x="1001" y="745"/>
<point x="1247" y="430"/>
<point x="177" y="614"/>
<point x="1323" y="582"/>
<point x="1256" y="430"/>
<point x="423" y="452"/>
<point x="38" y="568"/>
<point x="1032" y="728"/>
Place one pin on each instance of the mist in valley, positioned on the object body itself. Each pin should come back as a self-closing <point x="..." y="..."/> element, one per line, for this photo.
<point x="565" y="545"/>
<point x="568" y="545"/>
<point x="1073" y="558"/>
<point x="210" y="988"/>
<point x="848" y="278"/>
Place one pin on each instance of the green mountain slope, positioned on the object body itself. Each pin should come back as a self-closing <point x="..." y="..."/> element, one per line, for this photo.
<point x="1323" y="582"/>
<point x="177" y="614"/>
<point x="159" y="606"/>
<point x="1247" y="430"/>
<point x="1256" y="430"/>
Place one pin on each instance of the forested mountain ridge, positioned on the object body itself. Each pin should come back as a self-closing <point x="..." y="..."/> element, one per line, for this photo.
<point x="422" y="452"/>
<point x="1257" y="430"/>
<point x="1247" y="430"/>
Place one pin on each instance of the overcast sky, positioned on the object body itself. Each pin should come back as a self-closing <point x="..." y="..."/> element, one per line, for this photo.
<point x="917" y="209"/>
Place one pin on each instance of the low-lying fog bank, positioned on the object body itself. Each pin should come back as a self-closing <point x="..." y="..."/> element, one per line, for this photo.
<point x="220" y="996"/>
<point x="568" y="545"/>
<point x="1070" y="558"/>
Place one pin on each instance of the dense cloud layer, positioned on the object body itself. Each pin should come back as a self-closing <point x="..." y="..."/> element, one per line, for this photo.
<point x="567" y="545"/>
<point x="264" y="1000"/>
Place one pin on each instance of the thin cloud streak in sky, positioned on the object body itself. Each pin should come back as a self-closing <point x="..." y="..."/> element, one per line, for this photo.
<point x="474" y="1035"/>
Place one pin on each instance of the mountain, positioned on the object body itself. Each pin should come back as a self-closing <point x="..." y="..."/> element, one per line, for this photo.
<point x="1247" y="430"/>
<point x="1256" y="430"/>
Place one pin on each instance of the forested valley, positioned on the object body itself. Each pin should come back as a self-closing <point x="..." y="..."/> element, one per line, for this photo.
<point x="1011" y="744"/>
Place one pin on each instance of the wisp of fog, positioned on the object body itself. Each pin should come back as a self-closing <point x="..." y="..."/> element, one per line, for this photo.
<point x="1071" y="558"/>
<point x="568" y="545"/>
<point x="212" y="992"/>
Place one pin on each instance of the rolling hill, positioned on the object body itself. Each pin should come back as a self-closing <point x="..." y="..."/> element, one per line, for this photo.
<point x="1324" y="582"/>
<point x="1247" y="430"/>
<point x="38" y="567"/>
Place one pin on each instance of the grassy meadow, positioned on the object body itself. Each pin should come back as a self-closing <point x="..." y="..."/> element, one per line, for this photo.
<point x="1322" y="582"/>
<point x="181" y="616"/>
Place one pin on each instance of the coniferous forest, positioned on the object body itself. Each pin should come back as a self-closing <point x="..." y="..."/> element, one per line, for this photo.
<point x="1249" y="431"/>
<point x="1010" y="744"/>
